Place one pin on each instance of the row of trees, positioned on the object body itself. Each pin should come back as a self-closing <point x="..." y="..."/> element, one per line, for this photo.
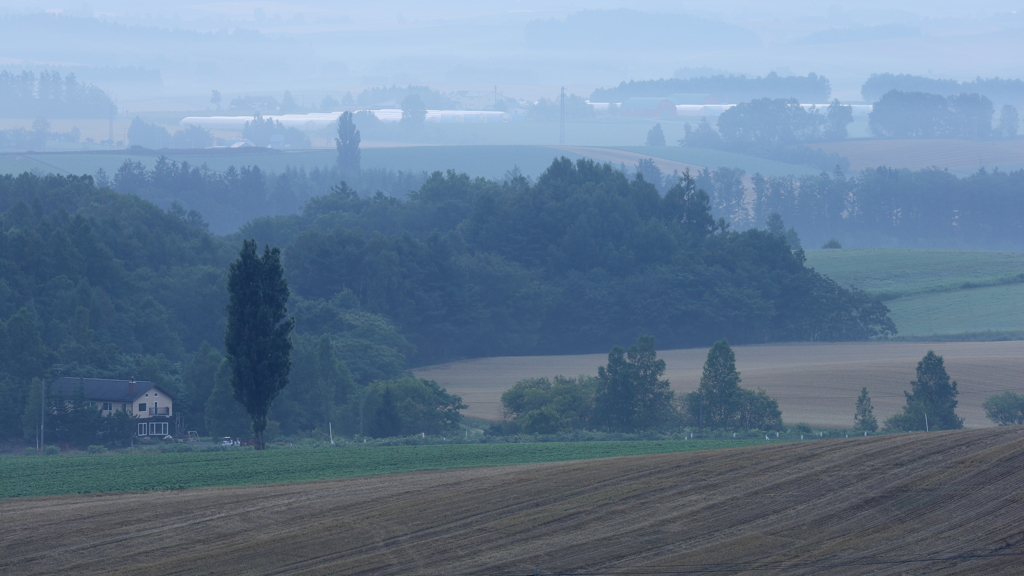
<point x="880" y="207"/>
<point x="518" y="268"/>
<point x="899" y="114"/>
<point x="49" y="95"/>
<point x="779" y="129"/>
<point x="999" y="90"/>
<point x="727" y="89"/>
<point x="931" y="402"/>
<point x="37" y="137"/>
<point x="100" y="284"/>
<point x="227" y="200"/>
<point x="155" y="137"/>
<point x="630" y="395"/>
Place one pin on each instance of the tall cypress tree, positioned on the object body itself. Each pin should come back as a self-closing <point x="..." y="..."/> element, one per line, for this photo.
<point x="257" y="339"/>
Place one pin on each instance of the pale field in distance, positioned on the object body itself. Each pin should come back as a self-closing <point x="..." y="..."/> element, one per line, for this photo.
<point x="816" y="383"/>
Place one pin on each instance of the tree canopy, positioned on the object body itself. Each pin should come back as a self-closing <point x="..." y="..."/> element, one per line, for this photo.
<point x="931" y="403"/>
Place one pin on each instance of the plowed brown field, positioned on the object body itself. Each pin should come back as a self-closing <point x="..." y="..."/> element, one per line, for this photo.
<point x="814" y="383"/>
<point x="938" y="503"/>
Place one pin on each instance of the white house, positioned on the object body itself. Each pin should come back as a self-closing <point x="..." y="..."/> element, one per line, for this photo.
<point x="151" y="403"/>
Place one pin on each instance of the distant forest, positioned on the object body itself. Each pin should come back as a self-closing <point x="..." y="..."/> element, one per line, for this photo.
<point x="810" y="89"/>
<point x="101" y="284"/>
<point x="879" y="207"/>
<point x="998" y="90"/>
<point x="49" y="95"/>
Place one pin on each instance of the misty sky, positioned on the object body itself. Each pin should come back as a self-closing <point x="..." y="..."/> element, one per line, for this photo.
<point x="526" y="47"/>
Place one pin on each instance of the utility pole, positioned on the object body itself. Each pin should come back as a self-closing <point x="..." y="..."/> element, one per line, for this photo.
<point x="561" y="119"/>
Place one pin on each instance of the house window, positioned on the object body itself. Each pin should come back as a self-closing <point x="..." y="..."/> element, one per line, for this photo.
<point x="108" y="407"/>
<point x="142" y="407"/>
<point x="142" y="429"/>
<point x="156" y="393"/>
<point x="158" y="428"/>
<point x="147" y="394"/>
<point x="124" y="406"/>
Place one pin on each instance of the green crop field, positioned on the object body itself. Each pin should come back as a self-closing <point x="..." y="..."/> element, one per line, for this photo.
<point x="82" y="473"/>
<point x="936" y="292"/>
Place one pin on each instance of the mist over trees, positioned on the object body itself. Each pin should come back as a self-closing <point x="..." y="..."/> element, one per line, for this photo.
<point x="919" y="115"/>
<point x="998" y="90"/>
<point x="49" y="95"/>
<point x="879" y="207"/>
<point x="810" y="89"/>
<point x="779" y="129"/>
<point x="227" y="200"/>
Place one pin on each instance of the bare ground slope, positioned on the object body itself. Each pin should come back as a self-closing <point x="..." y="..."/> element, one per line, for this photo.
<point x="816" y="383"/>
<point x="939" y="503"/>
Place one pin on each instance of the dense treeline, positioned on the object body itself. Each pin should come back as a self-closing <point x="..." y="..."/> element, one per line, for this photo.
<point x="49" y="95"/>
<point x="727" y="89"/>
<point x="101" y="284"/>
<point x="98" y="284"/>
<point x="919" y="115"/>
<point x="577" y="261"/>
<point x="780" y="129"/>
<point x="880" y="207"/>
<point x="999" y="90"/>
<point x="231" y="198"/>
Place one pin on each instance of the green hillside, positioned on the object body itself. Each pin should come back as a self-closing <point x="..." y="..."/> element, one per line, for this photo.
<point x="936" y="292"/>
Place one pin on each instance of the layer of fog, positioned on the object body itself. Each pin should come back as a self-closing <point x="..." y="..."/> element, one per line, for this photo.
<point x="169" y="55"/>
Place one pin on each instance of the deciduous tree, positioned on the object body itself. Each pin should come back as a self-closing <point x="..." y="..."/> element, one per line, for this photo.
<point x="1006" y="409"/>
<point x="347" y="143"/>
<point x="630" y="394"/>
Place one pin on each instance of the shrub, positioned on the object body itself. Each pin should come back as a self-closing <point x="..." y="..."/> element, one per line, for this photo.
<point x="1006" y="409"/>
<point x="51" y="450"/>
<point x="832" y="244"/>
<point x="96" y="449"/>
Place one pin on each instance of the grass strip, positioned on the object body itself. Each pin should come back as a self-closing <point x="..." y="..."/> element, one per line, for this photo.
<point x="22" y="476"/>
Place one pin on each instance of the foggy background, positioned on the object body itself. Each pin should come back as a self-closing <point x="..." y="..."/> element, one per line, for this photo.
<point x="169" y="55"/>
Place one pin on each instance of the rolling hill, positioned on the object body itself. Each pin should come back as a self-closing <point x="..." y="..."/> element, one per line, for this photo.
<point x="936" y="293"/>
<point x="938" y="503"/>
<point x="815" y="383"/>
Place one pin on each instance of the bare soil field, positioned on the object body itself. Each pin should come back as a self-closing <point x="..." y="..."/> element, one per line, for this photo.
<point x="816" y="383"/>
<point x="918" y="154"/>
<point x="939" y="503"/>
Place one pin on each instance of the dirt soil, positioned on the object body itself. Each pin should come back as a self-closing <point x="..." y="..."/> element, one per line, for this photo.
<point x="816" y="383"/>
<point x="936" y="503"/>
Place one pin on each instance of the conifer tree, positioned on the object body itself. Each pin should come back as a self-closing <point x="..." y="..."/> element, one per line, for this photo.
<point x="864" y="417"/>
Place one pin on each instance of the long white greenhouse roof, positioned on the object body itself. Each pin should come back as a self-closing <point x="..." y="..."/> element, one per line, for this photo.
<point x="320" y="120"/>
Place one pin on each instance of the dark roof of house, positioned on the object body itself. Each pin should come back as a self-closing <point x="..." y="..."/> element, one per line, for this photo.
<point x="102" y="389"/>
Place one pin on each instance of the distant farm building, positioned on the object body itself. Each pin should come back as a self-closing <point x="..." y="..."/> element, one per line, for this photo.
<point x="693" y="99"/>
<point x="648" y="107"/>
